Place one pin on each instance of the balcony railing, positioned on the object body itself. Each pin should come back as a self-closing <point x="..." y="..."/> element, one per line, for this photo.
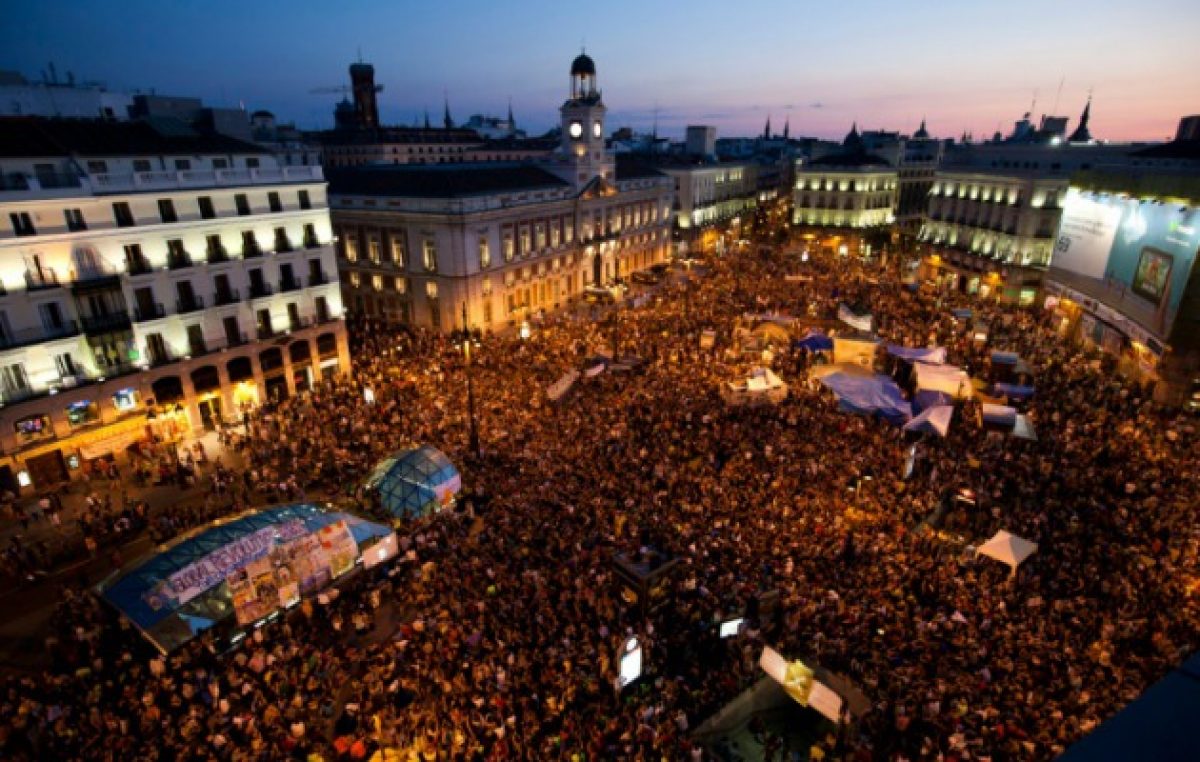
<point x="260" y="290"/>
<point x="291" y="284"/>
<point x="229" y="296"/>
<point x="36" y="281"/>
<point x="317" y="279"/>
<point x="139" y="266"/>
<point x="237" y="341"/>
<point x="267" y="332"/>
<point x="151" y="312"/>
<point x="112" y="182"/>
<point x="217" y="254"/>
<point x="251" y="251"/>
<point x="108" y="322"/>
<point x="16" y="339"/>
<point x="184" y="306"/>
<point x="177" y="260"/>
<point x="311" y="242"/>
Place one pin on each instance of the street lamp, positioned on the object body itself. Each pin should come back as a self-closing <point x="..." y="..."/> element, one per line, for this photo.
<point x="466" y="338"/>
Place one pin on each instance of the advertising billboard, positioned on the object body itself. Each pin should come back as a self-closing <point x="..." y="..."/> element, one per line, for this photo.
<point x="1085" y="235"/>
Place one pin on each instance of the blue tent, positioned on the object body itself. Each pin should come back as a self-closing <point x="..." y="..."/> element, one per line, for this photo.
<point x="1004" y="358"/>
<point x="139" y="590"/>
<point x="869" y="395"/>
<point x="927" y="398"/>
<point x="913" y="354"/>
<point x="1016" y="391"/>
<point x="962" y="314"/>
<point x="814" y="341"/>
<point x="415" y="482"/>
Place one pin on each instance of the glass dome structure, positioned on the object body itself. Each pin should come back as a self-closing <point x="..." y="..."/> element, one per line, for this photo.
<point x="415" y="482"/>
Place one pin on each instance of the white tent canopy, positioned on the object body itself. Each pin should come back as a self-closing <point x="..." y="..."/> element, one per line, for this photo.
<point x="948" y="379"/>
<point x="936" y="418"/>
<point x="1008" y="549"/>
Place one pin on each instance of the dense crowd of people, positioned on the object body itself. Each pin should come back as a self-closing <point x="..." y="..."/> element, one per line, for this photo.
<point x="504" y="623"/>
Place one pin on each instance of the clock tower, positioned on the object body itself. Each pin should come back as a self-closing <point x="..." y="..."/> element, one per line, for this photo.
<point x="583" y="149"/>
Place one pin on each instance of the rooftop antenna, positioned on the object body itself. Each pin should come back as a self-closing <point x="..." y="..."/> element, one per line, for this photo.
<point x="654" y="131"/>
<point x="1059" y="93"/>
<point x="1033" y="105"/>
<point x="360" y="53"/>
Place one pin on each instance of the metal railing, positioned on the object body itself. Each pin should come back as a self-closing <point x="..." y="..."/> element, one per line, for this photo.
<point x="16" y="339"/>
<point x="111" y="321"/>
<point x="184" y="306"/>
<point x="153" y="312"/>
<point x="229" y="296"/>
<point x="35" y="281"/>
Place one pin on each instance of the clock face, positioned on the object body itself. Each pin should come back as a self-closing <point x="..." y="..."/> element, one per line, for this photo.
<point x="597" y="129"/>
<point x="576" y="130"/>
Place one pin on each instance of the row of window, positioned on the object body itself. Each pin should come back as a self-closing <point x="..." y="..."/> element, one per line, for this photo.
<point x="100" y="166"/>
<point x="854" y="186"/>
<point x="23" y="225"/>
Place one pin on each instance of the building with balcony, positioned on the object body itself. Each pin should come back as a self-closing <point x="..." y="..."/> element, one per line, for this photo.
<point x="993" y="212"/>
<point x="417" y="243"/>
<point x="152" y="283"/>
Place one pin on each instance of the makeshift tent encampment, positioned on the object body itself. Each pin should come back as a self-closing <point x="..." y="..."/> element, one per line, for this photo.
<point x="761" y="387"/>
<point x="415" y="482"/>
<point x="1008" y="549"/>
<point x="875" y="394"/>
<point x="923" y="400"/>
<point x="932" y="355"/>
<point x="858" y="349"/>
<point x="814" y="341"/>
<point x="947" y="379"/>
<point x="934" y="420"/>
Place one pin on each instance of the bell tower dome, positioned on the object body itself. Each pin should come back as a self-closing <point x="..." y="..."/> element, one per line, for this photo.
<point x="583" y="147"/>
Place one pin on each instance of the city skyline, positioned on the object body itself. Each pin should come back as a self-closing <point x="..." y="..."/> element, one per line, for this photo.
<point x="818" y="71"/>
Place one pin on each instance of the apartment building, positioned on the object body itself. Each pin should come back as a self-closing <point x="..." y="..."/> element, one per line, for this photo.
<point x="153" y="281"/>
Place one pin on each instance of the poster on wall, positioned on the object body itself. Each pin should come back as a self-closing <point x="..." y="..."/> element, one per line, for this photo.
<point x="1152" y="277"/>
<point x="339" y="547"/>
<point x="254" y="590"/>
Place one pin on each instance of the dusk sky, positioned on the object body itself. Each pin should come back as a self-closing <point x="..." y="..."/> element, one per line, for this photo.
<point x="972" y="65"/>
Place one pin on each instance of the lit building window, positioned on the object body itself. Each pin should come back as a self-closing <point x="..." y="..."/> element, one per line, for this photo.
<point x="398" y="253"/>
<point x="402" y="285"/>
<point x="429" y="255"/>
<point x="508" y="246"/>
<point x="431" y="290"/>
<point x="351" y="248"/>
<point x="487" y="286"/>
<point x="373" y="251"/>
<point x="485" y="253"/>
<point x="355" y="279"/>
<point x="377" y="282"/>
<point x="524" y="241"/>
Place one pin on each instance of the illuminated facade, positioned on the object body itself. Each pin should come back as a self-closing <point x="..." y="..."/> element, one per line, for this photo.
<point x="417" y="243"/>
<point x="1124" y="274"/>
<point x="152" y="283"/>
<point x="992" y="214"/>
<point x="709" y="195"/>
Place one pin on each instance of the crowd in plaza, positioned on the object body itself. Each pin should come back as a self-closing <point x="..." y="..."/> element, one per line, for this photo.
<point x="508" y="623"/>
